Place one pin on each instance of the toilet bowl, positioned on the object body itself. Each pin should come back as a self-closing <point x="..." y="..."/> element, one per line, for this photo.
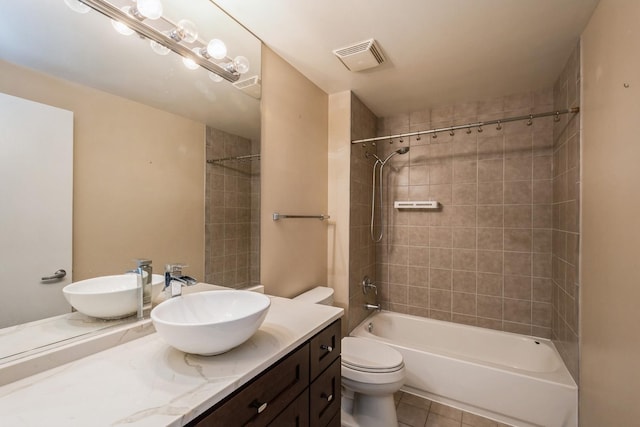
<point x="371" y="373"/>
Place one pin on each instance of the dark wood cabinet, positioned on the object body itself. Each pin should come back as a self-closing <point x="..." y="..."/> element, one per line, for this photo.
<point x="300" y="390"/>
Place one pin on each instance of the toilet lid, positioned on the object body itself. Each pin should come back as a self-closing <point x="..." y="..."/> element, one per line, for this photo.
<point x="371" y="356"/>
<point x="316" y="295"/>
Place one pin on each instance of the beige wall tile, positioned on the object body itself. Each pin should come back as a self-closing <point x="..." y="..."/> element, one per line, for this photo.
<point x="463" y="303"/>
<point x="518" y="263"/>
<point x="440" y="237"/>
<point x="489" y="307"/>
<point x="491" y="238"/>
<point x="518" y="216"/>
<point x="517" y="287"/>
<point x="490" y="284"/>
<point x="440" y="300"/>
<point x="490" y="261"/>
<point x="464" y="238"/>
<point x="465" y="194"/>
<point x="518" y="311"/>
<point x="491" y="193"/>
<point x="464" y="281"/>
<point x="440" y="278"/>
<point x="490" y="216"/>
<point x="518" y="239"/>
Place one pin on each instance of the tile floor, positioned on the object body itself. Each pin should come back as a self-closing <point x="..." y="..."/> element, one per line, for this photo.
<point x="414" y="411"/>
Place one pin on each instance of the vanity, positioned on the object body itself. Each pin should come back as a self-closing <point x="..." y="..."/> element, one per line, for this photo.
<point x="287" y="373"/>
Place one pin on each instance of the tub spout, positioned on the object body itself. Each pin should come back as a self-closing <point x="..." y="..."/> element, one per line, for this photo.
<point x="372" y="307"/>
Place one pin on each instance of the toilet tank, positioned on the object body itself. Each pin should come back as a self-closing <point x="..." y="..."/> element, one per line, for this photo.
<point x="318" y="295"/>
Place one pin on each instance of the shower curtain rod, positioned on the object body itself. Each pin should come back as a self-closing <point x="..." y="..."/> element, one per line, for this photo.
<point x="479" y="125"/>
<point x="248" y="157"/>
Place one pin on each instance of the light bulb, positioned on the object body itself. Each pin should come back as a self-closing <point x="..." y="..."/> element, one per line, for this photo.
<point x="216" y="78"/>
<point x="158" y="48"/>
<point x="151" y="9"/>
<point x="190" y="63"/>
<point x="241" y="64"/>
<point x="77" y="6"/>
<point x="217" y="49"/>
<point x="188" y="31"/>
<point x="120" y="27"/>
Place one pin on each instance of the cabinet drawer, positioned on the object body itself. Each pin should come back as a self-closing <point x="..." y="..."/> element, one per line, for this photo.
<point x="325" y="396"/>
<point x="260" y="401"/>
<point x="325" y="348"/>
<point x="296" y="415"/>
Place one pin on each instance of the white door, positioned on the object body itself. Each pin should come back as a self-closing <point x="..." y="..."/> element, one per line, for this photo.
<point x="36" y="209"/>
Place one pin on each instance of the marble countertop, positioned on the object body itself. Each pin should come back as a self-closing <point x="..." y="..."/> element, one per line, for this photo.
<point x="145" y="382"/>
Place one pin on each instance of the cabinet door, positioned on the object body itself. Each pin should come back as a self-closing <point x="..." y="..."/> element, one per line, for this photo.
<point x="259" y="402"/>
<point x="325" y="396"/>
<point x="325" y="348"/>
<point x="296" y="414"/>
<point x="335" y="421"/>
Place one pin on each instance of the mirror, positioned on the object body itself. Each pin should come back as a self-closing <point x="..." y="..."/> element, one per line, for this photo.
<point x="144" y="126"/>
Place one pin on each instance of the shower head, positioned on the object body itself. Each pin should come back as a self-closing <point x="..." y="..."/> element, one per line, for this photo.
<point x="402" y="150"/>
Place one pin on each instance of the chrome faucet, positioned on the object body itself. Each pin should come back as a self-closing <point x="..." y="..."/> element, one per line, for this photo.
<point x="144" y="271"/>
<point x="174" y="280"/>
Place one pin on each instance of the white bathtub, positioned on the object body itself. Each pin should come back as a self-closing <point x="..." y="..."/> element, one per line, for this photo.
<point x="516" y="379"/>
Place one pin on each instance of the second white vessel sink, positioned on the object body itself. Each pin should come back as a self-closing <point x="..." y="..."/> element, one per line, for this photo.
<point x="109" y="297"/>
<point x="212" y="322"/>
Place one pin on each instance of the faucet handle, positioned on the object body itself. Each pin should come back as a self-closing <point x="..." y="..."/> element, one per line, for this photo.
<point x="143" y="262"/>
<point x="174" y="268"/>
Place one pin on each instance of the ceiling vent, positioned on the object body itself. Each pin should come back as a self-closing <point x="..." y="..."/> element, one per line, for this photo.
<point x="360" y="56"/>
<point x="251" y="86"/>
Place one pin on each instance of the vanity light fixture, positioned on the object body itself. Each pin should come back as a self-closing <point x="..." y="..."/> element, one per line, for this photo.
<point x="77" y="6"/>
<point x="145" y="18"/>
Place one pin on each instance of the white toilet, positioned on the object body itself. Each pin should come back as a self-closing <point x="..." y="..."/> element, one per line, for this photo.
<point x="371" y="373"/>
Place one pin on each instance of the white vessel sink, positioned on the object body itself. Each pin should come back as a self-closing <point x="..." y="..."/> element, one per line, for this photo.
<point x="109" y="297"/>
<point x="211" y="322"/>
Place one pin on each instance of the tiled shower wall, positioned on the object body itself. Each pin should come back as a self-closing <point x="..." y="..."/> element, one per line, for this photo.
<point x="362" y="248"/>
<point x="566" y="215"/>
<point x="232" y="226"/>
<point x="484" y="258"/>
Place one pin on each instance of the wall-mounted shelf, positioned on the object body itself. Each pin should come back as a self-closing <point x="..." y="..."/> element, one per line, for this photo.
<point x="423" y="204"/>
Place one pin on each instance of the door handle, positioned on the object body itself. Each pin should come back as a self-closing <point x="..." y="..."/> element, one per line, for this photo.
<point x="55" y="276"/>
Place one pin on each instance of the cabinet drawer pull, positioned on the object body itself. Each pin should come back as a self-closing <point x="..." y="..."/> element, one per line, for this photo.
<point x="328" y="398"/>
<point x="259" y="406"/>
<point x="326" y="347"/>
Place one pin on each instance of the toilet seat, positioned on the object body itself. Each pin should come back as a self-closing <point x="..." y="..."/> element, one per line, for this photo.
<point x="360" y="354"/>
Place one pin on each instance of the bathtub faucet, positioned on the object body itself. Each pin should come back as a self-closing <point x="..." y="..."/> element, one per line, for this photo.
<point x="367" y="284"/>
<point x="372" y="307"/>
